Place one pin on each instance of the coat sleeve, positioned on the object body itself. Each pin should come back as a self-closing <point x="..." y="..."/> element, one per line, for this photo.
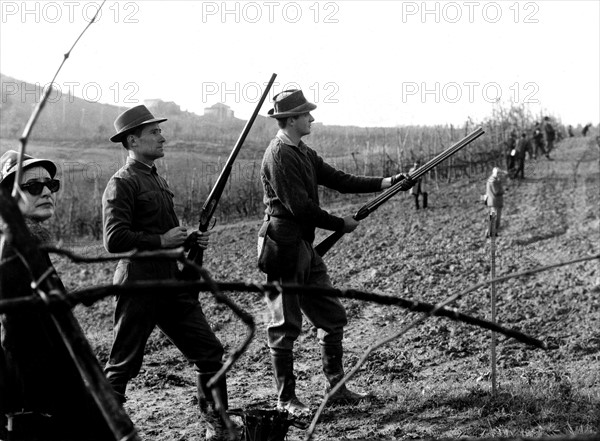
<point x="284" y="174"/>
<point x="343" y="182"/>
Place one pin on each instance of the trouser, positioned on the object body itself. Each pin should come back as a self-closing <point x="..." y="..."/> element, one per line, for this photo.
<point x="423" y="196"/>
<point x="520" y="168"/>
<point x="498" y="211"/>
<point x="510" y="162"/>
<point x="327" y="314"/>
<point x="178" y="316"/>
<point x="541" y="148"/>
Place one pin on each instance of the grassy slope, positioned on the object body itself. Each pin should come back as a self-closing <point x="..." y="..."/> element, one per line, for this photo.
<point x="433" y="381"/>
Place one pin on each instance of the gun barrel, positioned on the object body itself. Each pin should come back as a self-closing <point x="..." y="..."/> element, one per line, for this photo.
<point x="373" y="204"/>
<point x="208" y="209"/>
<point x="430" y="165"/>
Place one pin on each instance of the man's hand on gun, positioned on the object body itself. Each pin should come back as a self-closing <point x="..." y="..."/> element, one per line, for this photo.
<point x="407" y="183"/>
<point x="350" y="224"/>
<point x="198" y="238"/>
<point x="179" y="236"/>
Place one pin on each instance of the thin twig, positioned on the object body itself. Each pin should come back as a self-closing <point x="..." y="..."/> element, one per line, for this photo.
<point x="38" y="109"/>
<point x="173" y="253"/>
<point x="418" y="321"/>
<point x="248" y="320"/>
<point x="90" y="295"/>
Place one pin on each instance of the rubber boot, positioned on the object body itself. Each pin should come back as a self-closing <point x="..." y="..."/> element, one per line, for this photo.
<point x="119" y="390"/>
<point x="425" y="200"/>
<point x="283" y="368"/>
<point x="3" y="396"/>
<point x="334" y="371"/>
<point x="416" y="196"/>
<point x="215" y="427"/>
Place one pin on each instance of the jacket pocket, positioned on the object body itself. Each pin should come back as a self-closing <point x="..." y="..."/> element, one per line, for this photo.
<point x="147" y="204"/>
<point x="278" y="250"/>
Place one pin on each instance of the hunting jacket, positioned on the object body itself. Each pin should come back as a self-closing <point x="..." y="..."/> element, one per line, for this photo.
<point x="291" y="176"/>
<point x="495" y="192"/>
<point x="137" y="207"/>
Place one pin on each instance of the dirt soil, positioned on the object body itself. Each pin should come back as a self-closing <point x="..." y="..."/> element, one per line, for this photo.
<point x="434" y="381"/>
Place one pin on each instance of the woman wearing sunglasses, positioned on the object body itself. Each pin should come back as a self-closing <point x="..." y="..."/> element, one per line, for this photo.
<point x="39" y="385"/>
<point x="38" y="185"/>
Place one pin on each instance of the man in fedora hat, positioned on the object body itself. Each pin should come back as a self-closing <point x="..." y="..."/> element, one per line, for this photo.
<point x="291" y="173"/>
<point x="138" y="213"/>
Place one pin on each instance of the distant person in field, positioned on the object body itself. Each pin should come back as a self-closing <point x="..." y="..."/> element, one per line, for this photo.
<point x="523" y="147"/>
<point x="510" y="150"/>
<point x="549" y="136"/>
<point x="494" y="191"/>
<point x="418" y="190"/>
<point x="40" y="386"/>
<point x="586" y="129"/>
<point x="291" y="173"/>
<point x="139" y="214"/>
<point x="538" y="141"/>
<point x="570" y="131"/>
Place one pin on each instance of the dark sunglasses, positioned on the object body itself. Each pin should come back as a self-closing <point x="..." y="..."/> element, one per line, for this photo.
<point x="35" y="188"/>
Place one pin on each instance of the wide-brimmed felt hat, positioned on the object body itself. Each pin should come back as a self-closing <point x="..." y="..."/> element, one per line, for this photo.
<point x="130" y="119"/>
<point x="9" y="161"/>
<point x="290" y="103"/>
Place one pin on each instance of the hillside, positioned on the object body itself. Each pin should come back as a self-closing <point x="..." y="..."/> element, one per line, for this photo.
<point x="73" y="121"/>
<point x="435" y="380"/>
<point x="67" y="118"/>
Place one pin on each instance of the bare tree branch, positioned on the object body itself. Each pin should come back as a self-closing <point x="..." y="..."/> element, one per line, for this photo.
<point x="434" y="311"/>
<point x="38" y="109"/>
<point x="79" y="349"/>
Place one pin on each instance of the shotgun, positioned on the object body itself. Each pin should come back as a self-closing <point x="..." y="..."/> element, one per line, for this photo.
<point x="374" y="203"/>
<point x="196" y="254"/>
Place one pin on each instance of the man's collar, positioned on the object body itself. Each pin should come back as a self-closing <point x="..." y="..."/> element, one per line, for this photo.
<point x="140" y="165"/>
<point x="283" y="137"/>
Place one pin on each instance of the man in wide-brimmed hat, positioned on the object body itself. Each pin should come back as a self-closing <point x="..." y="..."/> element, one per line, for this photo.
<point x="138" y="214"/>
<point x="291" y="173"/>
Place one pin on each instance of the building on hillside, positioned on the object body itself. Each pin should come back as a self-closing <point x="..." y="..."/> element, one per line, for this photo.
<point x="161" y="107"/>
<point x="218" y="111"/>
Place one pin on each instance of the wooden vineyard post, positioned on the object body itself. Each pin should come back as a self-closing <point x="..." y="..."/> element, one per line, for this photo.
<point x="492" y="230"/>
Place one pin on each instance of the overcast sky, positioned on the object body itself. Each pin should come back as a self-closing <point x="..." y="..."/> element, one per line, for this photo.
<point x="363" y="63"/>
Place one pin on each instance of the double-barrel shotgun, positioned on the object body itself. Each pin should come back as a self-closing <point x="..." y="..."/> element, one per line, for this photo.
<point x="376" y="202"/>
<point x="196" y="254"/>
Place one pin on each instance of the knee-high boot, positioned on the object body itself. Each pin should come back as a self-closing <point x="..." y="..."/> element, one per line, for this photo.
<point x="215" y="427"/>
<point x="333" y="369"/>
<point x="283" y="369"/>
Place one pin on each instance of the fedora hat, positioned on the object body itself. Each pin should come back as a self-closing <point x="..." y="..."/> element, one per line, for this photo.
<point x="132" y="118"/>
<point x="9" y="162"/>
<point x="290" y="103"/>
